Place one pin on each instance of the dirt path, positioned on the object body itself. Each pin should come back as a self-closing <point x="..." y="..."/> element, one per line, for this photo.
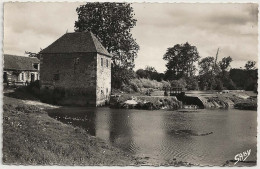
<point x="39" y="104"/>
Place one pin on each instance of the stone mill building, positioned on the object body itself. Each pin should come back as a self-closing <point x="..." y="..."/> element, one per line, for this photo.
<point x="79" y="67"/>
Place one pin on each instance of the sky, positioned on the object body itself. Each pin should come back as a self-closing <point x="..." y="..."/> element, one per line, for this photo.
<point x="231" y="27"/>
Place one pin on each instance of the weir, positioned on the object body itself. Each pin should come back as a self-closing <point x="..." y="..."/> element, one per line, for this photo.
<point x="179" y="93"/>
<point x="191" y="100"/>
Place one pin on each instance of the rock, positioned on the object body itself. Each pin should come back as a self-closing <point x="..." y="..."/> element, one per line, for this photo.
<point x="130" y="102"/>
<point x="246" y="106"/>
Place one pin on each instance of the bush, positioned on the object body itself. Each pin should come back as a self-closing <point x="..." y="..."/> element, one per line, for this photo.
<point x="35" y="84"/>
<point x="218" y="85"/>
<point x="137" y="85"/>
<point x="138" y="82"/>
<point x="121" y="76"/>
<point x="179" y="83"/>
<point x="134" y="87"/>
<point x="34" y="88"/>
<point x="192" y="83"/>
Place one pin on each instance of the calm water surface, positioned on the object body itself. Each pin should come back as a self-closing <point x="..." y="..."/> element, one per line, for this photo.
<point x="153" y="133"/>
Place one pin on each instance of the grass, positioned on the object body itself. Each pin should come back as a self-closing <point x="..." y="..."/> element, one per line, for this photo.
<point x="141" y="85"/>
<point x="31" y="137"/>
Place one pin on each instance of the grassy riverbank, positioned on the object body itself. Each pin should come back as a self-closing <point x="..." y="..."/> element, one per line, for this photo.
<point x="31" y="137"/>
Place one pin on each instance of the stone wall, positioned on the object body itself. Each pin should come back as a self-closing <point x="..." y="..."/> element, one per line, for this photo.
<point x="103" y="89"/>
<point x="74" y="73"/>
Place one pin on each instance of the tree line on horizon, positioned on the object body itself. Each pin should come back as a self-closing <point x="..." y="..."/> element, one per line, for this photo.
<point x="212" y="75"/>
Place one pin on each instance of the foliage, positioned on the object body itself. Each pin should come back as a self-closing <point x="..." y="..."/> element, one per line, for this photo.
<point x="250" y="65"/>
<point x="206" y="65"/>
<point x="230" y="85"/>
<point x="208" y="73"/>
<point x="150" y="73"/>
<point x="224" y="64"/>
<point x="150" y="69"/>
<point x="142" y="85"/>
<point x="141" y="73"/>
<point x="181" y="59"/>
<point x="192" y="83"/>
<point x="179" y="83"/>
<point x="31" y="54"/>
<point x="166" y="84"/>
<point x="120" y="76"/>
<point x="112" y="24"/>
<point x="244" y="79"/>
<point x="218" y="85"/>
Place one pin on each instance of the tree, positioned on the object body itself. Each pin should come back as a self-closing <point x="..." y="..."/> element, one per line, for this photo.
<point x="30" y="54"/>
<point x="251" y="72"/>
<point x="150" y="73"/>
<point x="192" y="83"/>
<point x="141" y="73"/>
<point x="224" y="64"/>
<point x="111" y="23"/>
<point x="150" y="69"/>
<point x="181" y="83"/>
<point x="250" y="65"/>
<point x="206" y="65"/>
<point x="181" y="59"/>
<point x="208" y="72"/>
<point x="121" y="76"/>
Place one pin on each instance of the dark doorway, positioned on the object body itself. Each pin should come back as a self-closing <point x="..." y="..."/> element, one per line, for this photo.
<point x="32" y="77"/>
<point x="5" y="77"/>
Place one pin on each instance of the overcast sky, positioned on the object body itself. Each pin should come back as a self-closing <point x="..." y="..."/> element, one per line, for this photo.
<point x="231" y="27"/>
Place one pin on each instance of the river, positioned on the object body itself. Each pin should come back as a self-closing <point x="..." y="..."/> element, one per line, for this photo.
<point x="155" y="135"/>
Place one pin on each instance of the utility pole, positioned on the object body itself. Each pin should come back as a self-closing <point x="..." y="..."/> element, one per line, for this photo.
<point x="213" y="68"/>
<point x="216" y="58"/>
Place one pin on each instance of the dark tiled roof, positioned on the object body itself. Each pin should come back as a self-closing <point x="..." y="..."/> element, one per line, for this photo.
<point x="76" y="42"/>
<point x="13" y="62"/>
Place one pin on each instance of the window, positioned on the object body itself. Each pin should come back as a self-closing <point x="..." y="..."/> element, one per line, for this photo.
<point x="36" y="66"/>
<point x="76" y="61"/>
<point x="107" y="63"/>
<point x="107" y="90"/>
<point x="56" y="77"/>
<point x="101" y="61"/>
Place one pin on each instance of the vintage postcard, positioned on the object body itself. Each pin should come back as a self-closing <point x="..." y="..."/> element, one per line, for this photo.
<point x="130" y="84"/>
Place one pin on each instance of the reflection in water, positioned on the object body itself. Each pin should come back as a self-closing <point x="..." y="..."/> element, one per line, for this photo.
<point x="153" y="133"/>
<point x="120" y="128"/>
<point x="82" y="118"/>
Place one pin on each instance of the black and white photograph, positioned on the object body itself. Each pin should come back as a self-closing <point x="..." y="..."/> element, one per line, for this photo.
<point x="128" y="83"/>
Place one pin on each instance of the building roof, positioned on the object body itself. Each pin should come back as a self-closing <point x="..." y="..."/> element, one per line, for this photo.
<point x="76" y="42"/>
<point x="13" y="62"/>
